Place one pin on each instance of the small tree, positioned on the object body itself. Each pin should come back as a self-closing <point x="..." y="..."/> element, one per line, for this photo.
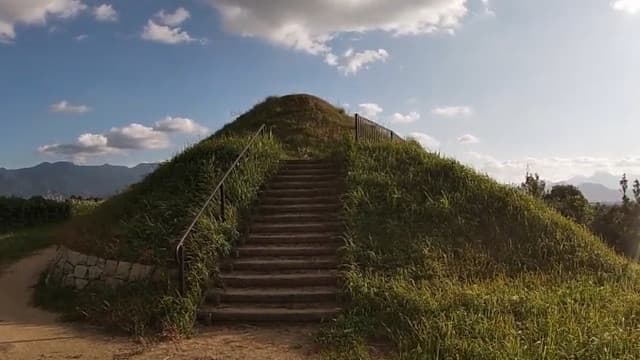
<point x="636" y="191"/>
<point x="534" y="186"/>
<point x="624" y="185"/>
<point x="570" y="202"/>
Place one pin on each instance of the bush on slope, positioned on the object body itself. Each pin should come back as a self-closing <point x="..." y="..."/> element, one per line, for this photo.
<point x="447" y="263"/>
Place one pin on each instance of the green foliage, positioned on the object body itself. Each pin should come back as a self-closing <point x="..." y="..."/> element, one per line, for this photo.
<point x="570" y="202"/>
<point x="624" y="185"/>
<point x="446" y="263"/>
<point x="534" y="186"/>
<point x="16" y="244"/>
<point x="619" y="225"/>
<point x="133" y="308"/>
<point x="140" y="225"/>
<point x="80" y="206"/>
<point x="18" y="213"/>
<point x="144" y="224"/>
<point x="306" y="125"/>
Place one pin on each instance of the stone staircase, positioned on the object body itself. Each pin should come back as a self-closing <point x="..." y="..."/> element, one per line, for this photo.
<point x="286" y="270"/>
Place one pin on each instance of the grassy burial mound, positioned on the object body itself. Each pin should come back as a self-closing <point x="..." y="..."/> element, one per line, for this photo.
<point x="142" y="224"/>
<point x="306" y="125"/>
<point x="445" y="263"/>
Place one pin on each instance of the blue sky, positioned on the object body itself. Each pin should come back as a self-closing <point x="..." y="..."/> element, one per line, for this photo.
<point x="499" y="84"/>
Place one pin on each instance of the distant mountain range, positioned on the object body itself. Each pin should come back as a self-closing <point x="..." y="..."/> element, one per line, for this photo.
<point x="65" y="179"/>
<point x="600" y="187"/>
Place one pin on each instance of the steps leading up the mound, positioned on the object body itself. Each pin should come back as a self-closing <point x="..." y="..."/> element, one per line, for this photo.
<point x="287" y="268"/>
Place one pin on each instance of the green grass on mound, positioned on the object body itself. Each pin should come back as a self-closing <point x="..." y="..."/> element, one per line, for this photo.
<point x="15" y="245"/>
<point x="445" y="263"/>
<point x="307" y="125"/>
<point x="144" y="223"/>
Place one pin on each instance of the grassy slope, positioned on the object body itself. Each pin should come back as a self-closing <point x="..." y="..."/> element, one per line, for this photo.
<point x="305" y="124"/>
<point x="143" y="223"/>
<point x="446" y="263"/>
<point x="138" y="224"/>
<point x="17" y="244"/>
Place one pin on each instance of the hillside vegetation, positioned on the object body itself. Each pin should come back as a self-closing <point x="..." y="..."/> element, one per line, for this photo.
<point x="144" y="223"/>
<point x="306" y="125"/>
<point x="440" y="261"/>
<point x="446" y="263"/>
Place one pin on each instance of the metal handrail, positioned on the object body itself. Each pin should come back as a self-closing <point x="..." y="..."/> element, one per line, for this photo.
<point x="179" y="251"/>
<point x="380" y="131"/>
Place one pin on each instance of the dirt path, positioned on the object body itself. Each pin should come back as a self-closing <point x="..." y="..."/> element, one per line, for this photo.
<point x="31" y="333"/>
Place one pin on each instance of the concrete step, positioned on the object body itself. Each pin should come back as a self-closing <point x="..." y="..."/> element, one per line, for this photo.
<point x="307" y="208"/>
<point x="308" y="172"/>
<point x="290" y="250"/>
<point x="301" y="192"/>
<point x="276" y="264"/>
<point x="302" y="185"/>
<point x="307" y="161"/>
<point x="292" y="228"/>
<point x="306" y="238"/>
<point x="297" y="217"/>
<point x="281" y="279"/>
<point x="306" y="177"/>
<point x="272" y="295"/>
<point x="257" y="313"/>
<point x="310" y="165"/>
<point x="319" y="199"/>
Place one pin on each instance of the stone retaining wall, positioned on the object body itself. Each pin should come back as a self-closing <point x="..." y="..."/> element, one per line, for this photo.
<point x="79" y="270"/>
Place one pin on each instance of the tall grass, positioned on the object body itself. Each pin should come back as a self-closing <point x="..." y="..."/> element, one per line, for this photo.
<point x="144" y="224"/>
<point x="444" y="263"/>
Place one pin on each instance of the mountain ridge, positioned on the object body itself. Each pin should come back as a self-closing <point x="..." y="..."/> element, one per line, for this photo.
<point x="65" y="179"/>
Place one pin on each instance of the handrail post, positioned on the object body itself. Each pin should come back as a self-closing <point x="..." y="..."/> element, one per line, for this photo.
<point x="222" y="199"/>
<point x="181" y="270"/>
<point x="357" y="126"/>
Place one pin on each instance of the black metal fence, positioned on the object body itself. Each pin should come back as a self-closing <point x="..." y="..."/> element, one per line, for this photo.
<point x="366" y="129"/>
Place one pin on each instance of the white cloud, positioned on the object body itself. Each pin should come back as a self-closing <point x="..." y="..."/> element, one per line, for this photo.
<point x="409" y="118"/>
<point x="427" y="141"/>
<point x="310" y="26"/>
<point x="180" y="125"/>
<point x="165" y="34"/>
<point x="131" y="137"/>
<point x="354" y="61"/>
<point x="468" y="139"/>
<point x="81" y="37"/>
<point x="628" y="6"/>
<point x="331" y="59"/>
<point x="86" y="145"/>
<point x="370" y="110"/>
<point x="452" y="111"/>
<point x="105" y="13"/>
<point x="136" y="136"/>
<point x="65" y="107"/>
<point x="173" y="19"/>
<point x="34" y="12"/>
<point x="487" y="8"/>
<point x="550" y="168"/>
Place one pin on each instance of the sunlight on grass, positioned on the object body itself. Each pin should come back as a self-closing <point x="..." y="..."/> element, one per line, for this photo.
<point x="446" y="263"/>
<point x="17" y="244"/>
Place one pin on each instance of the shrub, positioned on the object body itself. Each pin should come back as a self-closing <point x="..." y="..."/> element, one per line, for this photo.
<point x="17" y="213"/>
